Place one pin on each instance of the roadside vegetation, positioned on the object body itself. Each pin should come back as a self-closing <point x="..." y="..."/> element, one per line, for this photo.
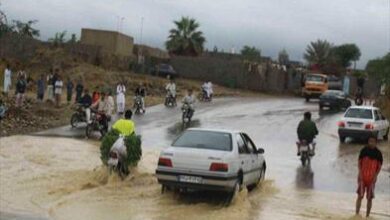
<point x="327" y="57"/>
<point x="379" y="69"/>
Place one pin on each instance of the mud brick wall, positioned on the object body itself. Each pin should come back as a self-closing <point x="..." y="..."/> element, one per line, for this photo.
<point x="233" y="72"/>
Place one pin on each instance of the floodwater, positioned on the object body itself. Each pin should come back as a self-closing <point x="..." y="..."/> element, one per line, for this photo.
<point x="62" y="178"/>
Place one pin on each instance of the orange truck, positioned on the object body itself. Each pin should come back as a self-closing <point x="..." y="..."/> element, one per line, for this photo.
<point x="315" y="85"/>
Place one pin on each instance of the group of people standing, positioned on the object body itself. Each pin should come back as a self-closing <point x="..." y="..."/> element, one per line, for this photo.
<point x="52" y="85"/>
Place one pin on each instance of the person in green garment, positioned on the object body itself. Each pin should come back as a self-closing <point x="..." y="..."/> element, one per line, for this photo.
<point x="307" y="131"/>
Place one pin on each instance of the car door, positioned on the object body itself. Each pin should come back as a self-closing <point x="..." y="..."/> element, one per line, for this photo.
<point x="245" y="159"/>
<point x="379" y="123"/>
<point x="256" y="161"/>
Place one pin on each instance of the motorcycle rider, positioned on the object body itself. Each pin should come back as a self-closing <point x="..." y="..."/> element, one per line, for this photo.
<point x="210" y="90"/>
<point x="189" y="100"/>
<point x="307" y="131"/>
<point x="125" y="126"/>
<point x="140" y="92"/>
<point x="171" y="90"/>
<point x="100" y="107"/>
<point x="86" y="102"/>
<point x="204" y="89"/>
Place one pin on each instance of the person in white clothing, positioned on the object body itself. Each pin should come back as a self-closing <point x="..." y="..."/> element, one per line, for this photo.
<point x="58" y="90"/>
<point x="171" y="88"/>
<point x="109" y="104"/>
<point x="210" y="90"/>
<point x="120" y="98"/>
<point x="7" y="79"/>
<point x="50" y="87"/>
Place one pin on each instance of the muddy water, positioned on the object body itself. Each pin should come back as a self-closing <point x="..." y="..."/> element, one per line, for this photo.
<point x="62" y="178"/>
<point x="47" y="177"/>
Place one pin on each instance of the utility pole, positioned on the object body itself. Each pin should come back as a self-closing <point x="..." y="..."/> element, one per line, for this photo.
<point x="119" y="23"/>
<point x="142" y="27"/>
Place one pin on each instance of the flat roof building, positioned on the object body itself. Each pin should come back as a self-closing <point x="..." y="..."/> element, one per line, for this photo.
<point x="111" y="42"/>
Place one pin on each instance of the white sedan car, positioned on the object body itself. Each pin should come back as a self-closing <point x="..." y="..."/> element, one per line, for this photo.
<point x="206" y="159"/>
<point x="363" y="121"/>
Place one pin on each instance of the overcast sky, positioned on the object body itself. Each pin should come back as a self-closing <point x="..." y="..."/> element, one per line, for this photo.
<point x="270" y="25"/>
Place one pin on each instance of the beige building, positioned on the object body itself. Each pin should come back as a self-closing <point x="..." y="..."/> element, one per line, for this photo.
<point x="112" y="42"/>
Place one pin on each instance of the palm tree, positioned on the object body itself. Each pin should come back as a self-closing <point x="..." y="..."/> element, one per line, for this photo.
<point x="185" y="39"/>
<point x="318" y="53"/>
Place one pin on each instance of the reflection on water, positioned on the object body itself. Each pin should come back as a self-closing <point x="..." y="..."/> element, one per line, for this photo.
<point x="304" y="178"/>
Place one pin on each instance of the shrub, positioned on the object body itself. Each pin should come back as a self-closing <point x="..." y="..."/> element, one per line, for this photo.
<point x="133" y="146"/>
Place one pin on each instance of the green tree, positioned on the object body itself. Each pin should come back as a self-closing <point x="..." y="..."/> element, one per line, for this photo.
<point x="318" y="53"/>
<point x="185" y="39"/>
<point x="380" y="69"/>
<point x="283" y="57"/>
<point x="25" y="29"/>
<point x="4" y="26"/>
<point x="58" y="39"/>
<point x="251" y="53"/>
<point x="345" y="54"/>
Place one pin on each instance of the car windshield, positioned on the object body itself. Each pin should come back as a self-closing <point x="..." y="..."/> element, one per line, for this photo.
<point x="359" y="113"/>
<point x="314" y="78"/>
<point x="205" y="140"/>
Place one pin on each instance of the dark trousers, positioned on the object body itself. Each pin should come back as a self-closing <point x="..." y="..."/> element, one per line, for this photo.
<point x="69" y="96"/>
<point x="40" y="96"/>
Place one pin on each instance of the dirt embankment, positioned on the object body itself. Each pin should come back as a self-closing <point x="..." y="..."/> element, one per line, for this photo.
<point x="35" y="116"/>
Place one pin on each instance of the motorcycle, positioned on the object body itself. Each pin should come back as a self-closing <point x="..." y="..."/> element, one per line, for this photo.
<point x="359" y="97"/>
<point x="138" y="106"/>
<point x="117" y="155"/>
<point x="99" y="123"/>
<point x="305" y="152"/>
<point x="170" y="101"/>
<point x="187" y="114"/>
<point x="78" y="116"/>
<point x="204" y="97"/>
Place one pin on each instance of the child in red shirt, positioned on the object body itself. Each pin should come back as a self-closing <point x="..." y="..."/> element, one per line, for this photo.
<point x="370" y="163"/>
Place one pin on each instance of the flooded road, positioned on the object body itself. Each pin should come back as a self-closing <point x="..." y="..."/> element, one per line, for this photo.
<point x="62" y="178"/>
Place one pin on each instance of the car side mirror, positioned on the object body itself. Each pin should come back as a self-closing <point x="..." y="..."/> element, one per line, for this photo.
<point x="260" y="151"/>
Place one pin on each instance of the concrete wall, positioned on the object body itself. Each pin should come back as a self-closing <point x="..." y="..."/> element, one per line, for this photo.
<point x="111" y="42"/>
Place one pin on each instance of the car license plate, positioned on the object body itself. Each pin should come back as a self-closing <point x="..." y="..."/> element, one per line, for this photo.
<point x="355" y="124"/>
<point x="326" y="103"/>
<point x="190" y="179"/>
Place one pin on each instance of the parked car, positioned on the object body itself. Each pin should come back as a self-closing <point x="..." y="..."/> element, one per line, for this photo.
<point x="206" y="159"/>
<point x="361" y="122"/>
<point x="164" y="70"/>
<point x="334" y="99"/>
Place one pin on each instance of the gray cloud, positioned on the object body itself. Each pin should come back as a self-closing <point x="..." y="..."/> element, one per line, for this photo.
<point x="268" y="24"/>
